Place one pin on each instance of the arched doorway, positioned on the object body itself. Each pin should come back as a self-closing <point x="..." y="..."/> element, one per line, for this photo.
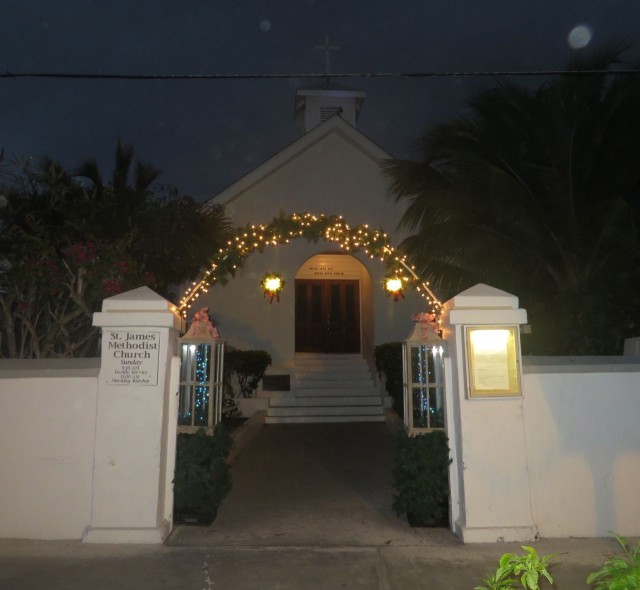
<point x="333" y="310"/>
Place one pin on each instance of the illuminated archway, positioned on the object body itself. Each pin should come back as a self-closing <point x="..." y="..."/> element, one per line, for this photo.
<point x="286" y="228"/>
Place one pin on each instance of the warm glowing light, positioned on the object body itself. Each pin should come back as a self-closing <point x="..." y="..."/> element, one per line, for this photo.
<point x="282" y="230"/>
<point x="393" y="285"/>
<point x="492" y="356"/>
<point x="489" y="341"/>
<point x="272" y="284"/>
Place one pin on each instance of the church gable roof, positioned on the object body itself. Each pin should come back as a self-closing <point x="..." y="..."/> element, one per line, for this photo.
<point x="333" y="127"/>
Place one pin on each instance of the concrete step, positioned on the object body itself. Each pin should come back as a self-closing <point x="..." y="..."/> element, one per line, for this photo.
<point x="322" y="419"/>
<point x="333" y="376"/>
<point x="342" y="367"/>
<point x="331" y="384"/>
<point x="328" y="388"/>
<point x="332" y="400"/>
<point x="313" y="357"/>
<point x="335" y="391"/>
<point x="336" y="362"/>
<point x="328" y="411"/>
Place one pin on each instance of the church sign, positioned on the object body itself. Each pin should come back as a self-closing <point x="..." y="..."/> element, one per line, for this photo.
<point x="325" y="271"/>
<point x="130" y="357"/>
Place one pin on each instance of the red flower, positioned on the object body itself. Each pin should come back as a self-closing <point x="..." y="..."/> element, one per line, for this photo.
<point x="80" y="252"/>
<point x="111" y="286"/>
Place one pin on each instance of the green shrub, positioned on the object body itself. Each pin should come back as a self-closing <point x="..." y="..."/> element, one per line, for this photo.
<point x="529" y="569"/>
<point x="388" y="358"/>
<point x="202" y="476"/>
<point x="619" y="572"/>
<point x="247" y="366"/>
<point x="421" y="477"/>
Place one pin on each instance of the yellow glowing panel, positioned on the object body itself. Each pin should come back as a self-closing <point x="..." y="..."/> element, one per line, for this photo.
<point x="492" y="361"/>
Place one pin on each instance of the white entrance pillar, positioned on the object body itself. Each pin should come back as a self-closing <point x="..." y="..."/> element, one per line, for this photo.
<point x="136" y="425"/>
<point x="491" y="498"/>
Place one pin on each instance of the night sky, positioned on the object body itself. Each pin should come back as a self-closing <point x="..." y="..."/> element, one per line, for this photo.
<point x="206" y="134"/>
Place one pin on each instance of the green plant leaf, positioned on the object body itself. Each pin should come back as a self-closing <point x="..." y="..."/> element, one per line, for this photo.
<point x="505" y="559"/>
<point x="496" y="581"/>
<point x="618" y="572"/>
<point x="530" y="580"/>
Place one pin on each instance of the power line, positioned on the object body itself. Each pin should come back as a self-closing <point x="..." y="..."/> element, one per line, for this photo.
<point x="255" y="76"/>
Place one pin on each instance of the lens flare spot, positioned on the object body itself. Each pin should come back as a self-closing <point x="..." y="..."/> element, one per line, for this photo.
<point x="579" y="37"/>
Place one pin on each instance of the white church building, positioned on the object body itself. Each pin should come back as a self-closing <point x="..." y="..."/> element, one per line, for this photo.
<point x="322" y="329"/>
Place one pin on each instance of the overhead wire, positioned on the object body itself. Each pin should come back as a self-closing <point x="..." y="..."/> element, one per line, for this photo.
<point x="260" y="76"/>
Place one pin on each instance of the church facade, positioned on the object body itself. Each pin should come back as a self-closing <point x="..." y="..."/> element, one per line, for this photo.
<point x="333" y="305"/>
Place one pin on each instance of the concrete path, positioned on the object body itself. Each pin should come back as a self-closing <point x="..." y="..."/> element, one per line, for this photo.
<point x="310" y="485"/>
<point x="310" y="509"/>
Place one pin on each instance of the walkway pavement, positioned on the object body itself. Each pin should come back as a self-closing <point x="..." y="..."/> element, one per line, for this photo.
<point x="310" y="509"/>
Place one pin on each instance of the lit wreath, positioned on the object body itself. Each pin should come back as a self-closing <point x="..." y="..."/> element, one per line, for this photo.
<point x="394" y="285"/>
<point x="272" y="283"/>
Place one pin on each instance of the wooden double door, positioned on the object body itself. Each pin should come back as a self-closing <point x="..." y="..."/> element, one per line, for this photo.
<point x="327" y="316"/>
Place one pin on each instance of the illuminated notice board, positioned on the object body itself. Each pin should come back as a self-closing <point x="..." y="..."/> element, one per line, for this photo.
<point x="492" y="361"/>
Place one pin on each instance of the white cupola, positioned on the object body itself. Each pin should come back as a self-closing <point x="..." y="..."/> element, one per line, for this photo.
<point x="314" y="105"/>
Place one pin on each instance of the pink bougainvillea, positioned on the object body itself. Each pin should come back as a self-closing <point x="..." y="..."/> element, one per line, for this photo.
<point x="80" y="252"/>
<point x="111" y="286"/>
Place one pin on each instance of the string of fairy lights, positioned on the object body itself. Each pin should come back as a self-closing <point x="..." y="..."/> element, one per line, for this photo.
<point x="202" y="390"/>
<point x="194" y="406"/>
<point x="373" y="243"/>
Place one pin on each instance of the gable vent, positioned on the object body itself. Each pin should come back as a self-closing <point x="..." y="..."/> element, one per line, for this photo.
<point x="317" y="104"/>
<point x="328" y="112"/>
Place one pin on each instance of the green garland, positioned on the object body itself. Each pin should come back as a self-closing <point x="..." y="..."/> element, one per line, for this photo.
<point x="312" y="228"/>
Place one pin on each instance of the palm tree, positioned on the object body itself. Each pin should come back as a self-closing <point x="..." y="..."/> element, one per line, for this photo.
<point x="121" y="203"/>
<point x="537" y="192"/>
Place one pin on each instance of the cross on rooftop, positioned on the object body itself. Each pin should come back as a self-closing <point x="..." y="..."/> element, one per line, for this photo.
<point x="328" y="48"/>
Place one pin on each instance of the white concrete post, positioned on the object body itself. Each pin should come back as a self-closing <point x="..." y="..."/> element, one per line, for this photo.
<point x="136" y="420"/>
<point x="491" y="496"/>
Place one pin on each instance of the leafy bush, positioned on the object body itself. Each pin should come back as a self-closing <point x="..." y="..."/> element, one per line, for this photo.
<point x="527" y="568"/>
<point x="202" y="476"/>
<point x="248" y="367"/>
<point x="421" y="477"/>
<point x="619" y="573"/>
<point x="388" y="358"/>
<point x="530" y="569"/>
<point x="69" y="240"/>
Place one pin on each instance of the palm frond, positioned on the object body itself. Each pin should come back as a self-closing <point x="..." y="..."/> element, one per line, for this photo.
<point x="123" y="160"/>
<point x="145" y="175"/>
<point x="89" y="170"/>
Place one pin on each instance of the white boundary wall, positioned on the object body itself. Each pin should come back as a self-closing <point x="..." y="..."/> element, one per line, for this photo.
<point x="582" y="430"/>
<point x="47" y="434"/>
<point x="87" y="446"/>
<point x="580" y="420"/>
<point x="560" y="460"/>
